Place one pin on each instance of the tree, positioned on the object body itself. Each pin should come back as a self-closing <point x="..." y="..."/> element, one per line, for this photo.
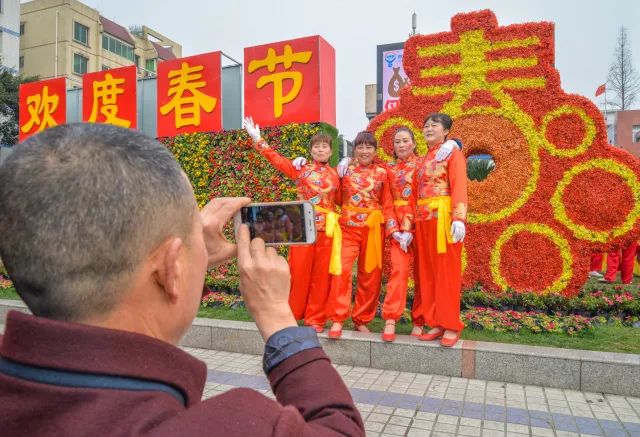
<point x="9" y="85"/>
<point x="623" y="79"/>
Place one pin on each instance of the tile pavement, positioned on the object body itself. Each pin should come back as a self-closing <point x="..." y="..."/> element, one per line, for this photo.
<point x="396" y="403"/>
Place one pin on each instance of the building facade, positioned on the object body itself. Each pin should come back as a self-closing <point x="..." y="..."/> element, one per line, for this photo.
<point x="623" y="129"/>
<point x="628" y="131"/>
<point x="10" y="34"/>
<point x="66" y="38"/>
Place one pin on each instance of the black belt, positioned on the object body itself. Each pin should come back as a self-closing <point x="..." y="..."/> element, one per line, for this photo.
<point x="65" y="378"/>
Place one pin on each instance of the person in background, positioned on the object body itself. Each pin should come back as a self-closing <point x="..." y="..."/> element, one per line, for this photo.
<point x="621" y="260"/>
<point x="367" y="214"/>
<point x="310" y="265"/>
<point x="439" y="197"/>
<point x="596" y="266"/>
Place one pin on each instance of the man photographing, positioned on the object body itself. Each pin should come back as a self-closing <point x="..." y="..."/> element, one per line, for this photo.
<point x="102" y="237"/>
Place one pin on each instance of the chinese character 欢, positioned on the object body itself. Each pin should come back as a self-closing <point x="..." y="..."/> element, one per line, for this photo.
<point x="41" y="107"/>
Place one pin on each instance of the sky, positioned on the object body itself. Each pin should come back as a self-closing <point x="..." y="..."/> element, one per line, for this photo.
<point x="586" y="32"/>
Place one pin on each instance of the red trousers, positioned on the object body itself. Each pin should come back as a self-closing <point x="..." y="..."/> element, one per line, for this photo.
<point x="440" y="278"/>
<point x="395" y="301"/>
<point x="621" y="260"/>
<point x="596" y="262"/>
<point x="417" y="319"/>
<point x="310" y="280"/>
<point x="354" y="245"/>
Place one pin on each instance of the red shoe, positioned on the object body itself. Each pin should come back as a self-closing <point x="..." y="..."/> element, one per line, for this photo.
<point x="392" y="335"/>
<point x="319" y="328"/>
<point x="432" y="336"/>
<point x="448" y="342"/>
<point x="335" y="334"/>
<point x="388" y="337"/>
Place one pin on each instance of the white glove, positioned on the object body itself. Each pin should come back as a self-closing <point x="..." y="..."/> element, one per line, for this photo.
<point x="407" y="238"/>
<point x="252" y="129"/>
<point x="399" y="237"/>
<point x="343" y="165"/>
<point x="445" y="150"/>
<point x="458" y="231"/>
<point x="299" y="162"/>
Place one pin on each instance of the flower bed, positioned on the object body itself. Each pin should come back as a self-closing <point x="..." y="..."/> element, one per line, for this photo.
<point x="514" y="321"/>
<point x="608" y="302"/>
<point x="222" y="299"/>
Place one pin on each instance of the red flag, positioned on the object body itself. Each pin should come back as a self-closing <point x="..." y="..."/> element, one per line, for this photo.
<point x="601" y="89"/>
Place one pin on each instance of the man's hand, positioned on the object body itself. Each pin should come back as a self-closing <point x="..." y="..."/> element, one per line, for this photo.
<point x="252" y="129"/>
<point x="343" y="165"/>
<point x="445" y="150"/>
<point x="264" y="284"/>
<point x="214" y="216"/>
<point x="458" y="231"/>
<point x="299" y="162"/>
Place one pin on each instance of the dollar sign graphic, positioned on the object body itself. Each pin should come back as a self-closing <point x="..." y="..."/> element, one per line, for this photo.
<point x="395" y="83"/>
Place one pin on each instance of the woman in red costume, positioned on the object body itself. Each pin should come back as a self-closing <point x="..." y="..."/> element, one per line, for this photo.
<point x="310" y="265"/>
<point x="439" y="196"/>
<point x="366" y="205"/>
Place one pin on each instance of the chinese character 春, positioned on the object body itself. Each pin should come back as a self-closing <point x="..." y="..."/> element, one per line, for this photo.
<point x="187" y="107"/>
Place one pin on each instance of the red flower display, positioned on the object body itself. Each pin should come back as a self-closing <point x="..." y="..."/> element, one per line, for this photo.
<point x="559" y="192"/>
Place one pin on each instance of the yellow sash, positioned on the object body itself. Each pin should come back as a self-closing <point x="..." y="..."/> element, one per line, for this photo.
<point x="332" y="230"/>
<point x="373" y="256"/>
<point x="443" y="205"/>
<point x="400" y="202"/>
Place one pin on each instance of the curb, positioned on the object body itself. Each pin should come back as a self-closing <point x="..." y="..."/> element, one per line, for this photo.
<point x="600" y="372"/>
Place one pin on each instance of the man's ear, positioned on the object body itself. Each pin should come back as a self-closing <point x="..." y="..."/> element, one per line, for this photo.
<point x="168" y="271"/>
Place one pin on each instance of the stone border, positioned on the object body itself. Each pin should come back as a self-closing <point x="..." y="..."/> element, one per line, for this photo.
<point x="605" y="372"/>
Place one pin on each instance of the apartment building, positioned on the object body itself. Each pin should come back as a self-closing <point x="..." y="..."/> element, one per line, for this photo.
<point x="66" y="38"/>
<point x="9" y="34"/>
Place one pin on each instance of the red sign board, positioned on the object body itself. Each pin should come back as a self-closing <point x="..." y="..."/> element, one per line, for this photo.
<point x="109" y="96"/>
<point x="290" y="82"/>
<point x="190" y="95"/>
<point x="42" y="104"/>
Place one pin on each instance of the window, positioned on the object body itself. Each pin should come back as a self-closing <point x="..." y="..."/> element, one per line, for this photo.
<point x="635" y="133"/>
<point x="105" y="67"/>
<point x="118" y="47"/>
<point x="21" y="62"/>
<point x="150" y="65"/>
<point x="137" y="60"/>
<point x="79" y="64"/>
<point x="22" y="28"/>
<point x="80" y="33"/>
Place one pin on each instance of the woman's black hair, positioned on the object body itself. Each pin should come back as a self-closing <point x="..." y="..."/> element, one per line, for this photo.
<point x="441" y="118"/>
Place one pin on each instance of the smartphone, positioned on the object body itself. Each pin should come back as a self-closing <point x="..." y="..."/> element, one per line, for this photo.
<point x="279" y="223"/>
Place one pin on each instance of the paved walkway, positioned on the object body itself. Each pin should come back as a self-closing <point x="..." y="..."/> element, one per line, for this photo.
<point x="410" y="404"/>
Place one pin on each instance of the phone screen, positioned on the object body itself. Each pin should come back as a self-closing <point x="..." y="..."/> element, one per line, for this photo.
<point x="281" y="224"/>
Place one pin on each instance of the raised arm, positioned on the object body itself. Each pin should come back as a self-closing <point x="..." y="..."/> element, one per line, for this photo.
<point x="281" y="163"/>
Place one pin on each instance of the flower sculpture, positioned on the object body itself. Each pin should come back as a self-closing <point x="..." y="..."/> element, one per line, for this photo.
<point x="558" y="192"/>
